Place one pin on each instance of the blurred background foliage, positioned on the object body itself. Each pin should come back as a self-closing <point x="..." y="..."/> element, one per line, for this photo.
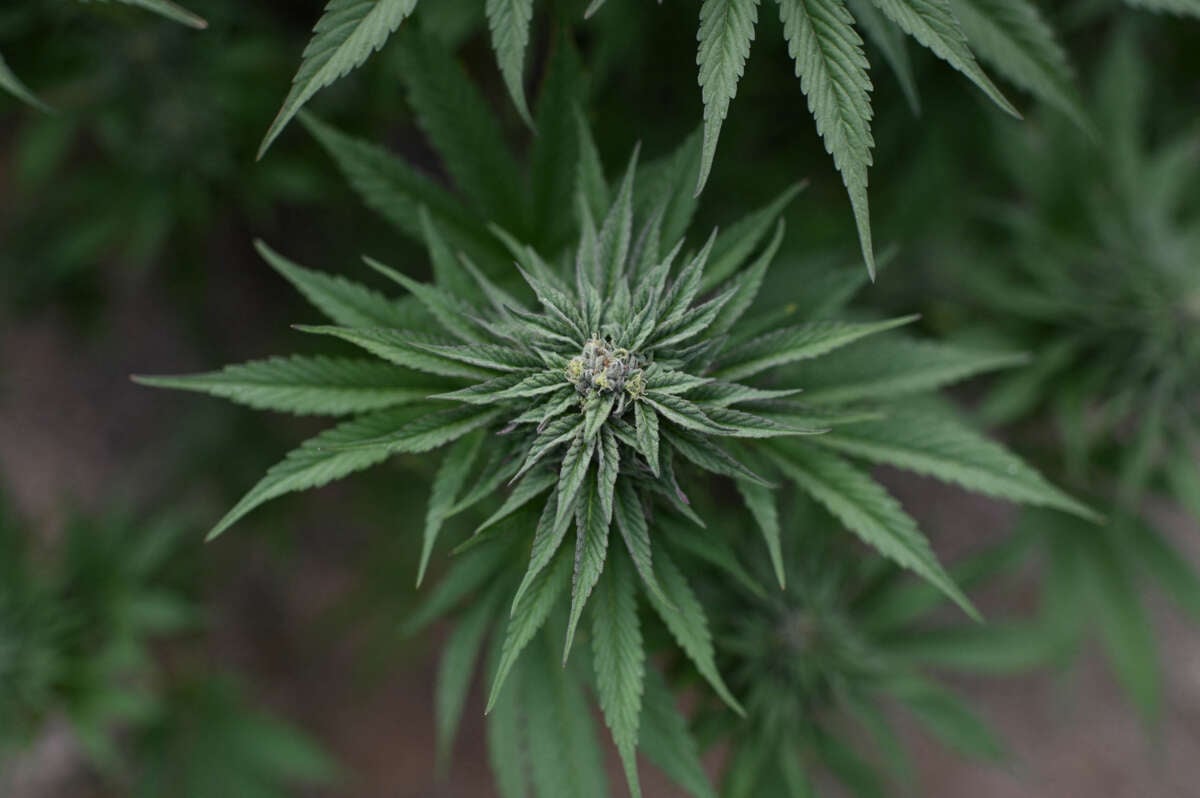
<point x="126" y="221"/>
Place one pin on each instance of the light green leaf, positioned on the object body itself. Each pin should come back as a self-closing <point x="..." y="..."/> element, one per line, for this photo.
<point x="401" y="347"/>
<point x="646" y="424"/>
<point x="890" y="41"/>
<point x="509" y="23"/>
<point x="529" y="615"/>
<point x="465" y="133"/>
<point x="726" y="31"/>
<point x="685" y="619"/>
<point x="397" y="192"/>
<point x="930" y="440"/>
<point x="306" y="385"/>
<point x="1014" y="38"/>
<point x="347" y="33"/>
<point x="447" y="484"/>
<point x="761" y="503"/>
<point x="933" y="24"/>
<point x="351" y="446"/>
<point x="894" y="367"/>
<point x="791" y="344"/>
<point x="833" y="76"/>
<point x="455" y="668"/>
<point x="343" y="301"/>
<point x="591" y="551"/>
<point x="631" y="521"/>
<point x="868" y="511"/>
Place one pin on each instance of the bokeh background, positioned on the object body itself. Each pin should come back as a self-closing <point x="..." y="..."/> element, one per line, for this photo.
<point x="127" y="221"/>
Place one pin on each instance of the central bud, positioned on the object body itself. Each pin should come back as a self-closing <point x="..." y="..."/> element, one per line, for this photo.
<point x="603" y="368"/>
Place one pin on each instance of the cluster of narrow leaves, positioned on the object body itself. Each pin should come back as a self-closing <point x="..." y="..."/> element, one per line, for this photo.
<point x="12" y="84"/>
<point x="818" y="665"/>
<point x="587" y="388"/>
<point x="1096" y="267"/>
<point x="823" y="40"/>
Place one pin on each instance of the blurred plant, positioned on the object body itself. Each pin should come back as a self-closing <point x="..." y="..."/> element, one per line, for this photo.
<point x="595" y="396"/>
<point x="147" y="150"/>
<point x="1093" y="269"/>
<point x="204" y="741"/>
<point x="10" y="83"/>
<point x="78" y="627"/>
<point x="821" y="665"/>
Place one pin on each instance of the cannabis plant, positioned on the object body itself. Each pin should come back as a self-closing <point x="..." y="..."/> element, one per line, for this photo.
<point x="1095" y="272"/>
<point x="81" y="625"/>
<point x="616" y="374"/>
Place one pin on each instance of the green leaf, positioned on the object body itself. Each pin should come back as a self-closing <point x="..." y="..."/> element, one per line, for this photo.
<point x="589" y="172"/>
<point x="351" y="446"/>
<point x="528" y="488"/>
<point x="401" y="347"/>
<point x="343" y="301"/>
<point x="726" y="31"/>
<point x="553" y="187"/>
<point x="833" y="76"/>
<point x="1012" y="36"/>
<point x="447" y="484"/>
<point x="506" y="739"/>
<point x="172" y="11"/>
<point x="890" y="41"/>
<point x="457" y="664"/>
<point x="591" y="552"/>
<point x="933" y="24"/>
<point x="930" y="440"/>
<point x="746" y="286"/>
<point x="948" y="717"/>
<point x="10" y="83"/>
<point x="666" y="741"/>
<point x="397" y="192"/>
<point x="646" y="423"/>
<point x="706" y="454"/>
<point x="893" y="367"/>
<point x="867" y="510"/>
<point x="446" y="307"/>
<point x="461" y="127"/>
<point x="733" y="245"/>
<point x="529" y="615"/>
<point x="619" y="661"/>
<point x="685" y="414"/>
<point x="802" y="342"/>
<point x="631" y="521"/>
<point x="761" y="503"/>
<point x="686" y="621"/>
<point x="572" y="474"/>
<point x="1125" y="629"/>
<point x="347" y="33"/>
<point x="306" y="385"/>
<point x="563" y="748"/>
<point x="595" y="413"/>
<point x="509" y="23"/>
